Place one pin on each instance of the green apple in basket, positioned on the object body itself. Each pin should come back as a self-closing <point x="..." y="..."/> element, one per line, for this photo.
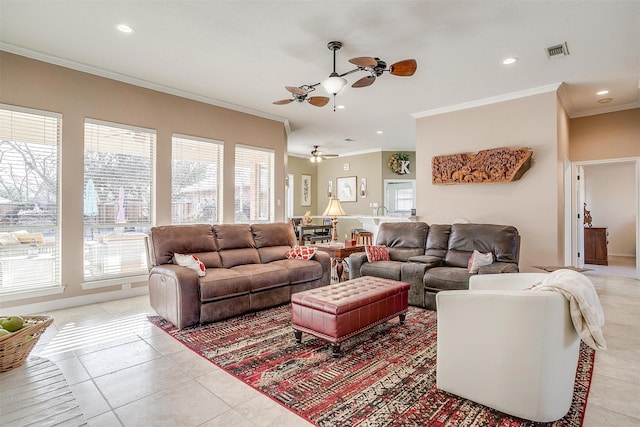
<point x="12" y="323"/>
<point x="3" y="332"/>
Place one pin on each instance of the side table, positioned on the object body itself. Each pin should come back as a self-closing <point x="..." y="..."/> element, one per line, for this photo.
<point x="338" y="252"/>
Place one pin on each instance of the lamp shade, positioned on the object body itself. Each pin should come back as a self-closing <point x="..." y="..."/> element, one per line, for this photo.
<point x="334" y="84"/>
<point x="334" y="209"/>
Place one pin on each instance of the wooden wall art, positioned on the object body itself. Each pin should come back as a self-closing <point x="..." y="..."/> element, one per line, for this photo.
<point x="496" y="165"/>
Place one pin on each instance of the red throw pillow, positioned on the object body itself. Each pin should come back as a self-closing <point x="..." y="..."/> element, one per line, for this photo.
<point x="377" y="253"/>
<point x="301" y="252"/>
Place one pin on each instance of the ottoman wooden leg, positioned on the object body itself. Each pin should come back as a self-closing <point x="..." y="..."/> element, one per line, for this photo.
<point x="402" y="317"/>
<point x="298" y="335"/>
<point x="335" y="350"/>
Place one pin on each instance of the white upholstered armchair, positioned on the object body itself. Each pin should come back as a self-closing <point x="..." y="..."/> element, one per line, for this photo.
<point x="512" y="350"/>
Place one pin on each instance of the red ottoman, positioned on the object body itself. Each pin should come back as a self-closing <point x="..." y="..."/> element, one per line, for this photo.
<point x="337" y="312"/>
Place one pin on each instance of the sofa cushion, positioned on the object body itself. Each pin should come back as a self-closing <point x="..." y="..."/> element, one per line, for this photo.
<point x="184" y="239"/>
<point x="402" y="234"/>
<point x="272" y="253"/>
<point x="502" y="240"/>
<point x="438" y="240"/>
<point x="403" y="254"/>
<point x="209" y="259"/>
<point x="264" y="276"/>
<point x="384" y="269"/>
<point x="444" y="278"/>
<point x="221" y="283"/>
<point x="233" y="257"/>
<point x="275" y="234"/>
<point x="301" y="270"/>
<point x="234" y="236"/>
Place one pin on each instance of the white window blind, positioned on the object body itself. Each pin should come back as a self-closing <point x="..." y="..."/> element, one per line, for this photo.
<point x="29" y="170"/>
<point x="254" y="185"/>
<point x="196" y="180"/>
<point x="118" y="204"/>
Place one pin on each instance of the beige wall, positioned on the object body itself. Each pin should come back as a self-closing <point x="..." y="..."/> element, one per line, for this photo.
<point x="533" y="204"/>
<point x="298" y="166"/>
<point x="606" y="136"/>
<point x="610" y="194"/>
<point x="77" y="95"/>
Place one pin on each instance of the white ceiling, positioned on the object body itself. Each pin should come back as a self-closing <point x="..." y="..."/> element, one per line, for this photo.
<point x="241" y="54"/>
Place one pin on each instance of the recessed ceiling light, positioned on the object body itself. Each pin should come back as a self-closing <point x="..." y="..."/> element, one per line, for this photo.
<point x="510" y="60"/>
<point x="124" y="28"/>
<point x="379" y="132"/>
<point x="605" y="100"/>
<point x="340" y="107"/>
<point x="602" y="92"/>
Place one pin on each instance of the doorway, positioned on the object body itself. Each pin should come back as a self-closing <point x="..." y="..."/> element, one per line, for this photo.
<point x="611" y="191"/>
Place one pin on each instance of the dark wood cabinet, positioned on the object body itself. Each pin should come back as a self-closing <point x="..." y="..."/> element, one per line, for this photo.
<point x="595" y="245"/>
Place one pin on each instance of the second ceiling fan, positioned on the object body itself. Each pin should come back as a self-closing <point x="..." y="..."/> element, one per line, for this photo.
<point x="336" y="82"/>
<point x="317" y="156"/>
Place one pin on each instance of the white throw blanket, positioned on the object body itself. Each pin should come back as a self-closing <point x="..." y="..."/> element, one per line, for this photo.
<point x="586" y="311"/>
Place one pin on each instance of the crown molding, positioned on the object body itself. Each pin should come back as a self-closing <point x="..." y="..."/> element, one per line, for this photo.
<point x="604" y="110"/>
<point x="85" y="68"/>
<point x="488" y="101"/>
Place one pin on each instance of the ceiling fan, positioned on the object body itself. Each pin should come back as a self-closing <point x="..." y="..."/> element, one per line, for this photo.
<point x="300" y="95"/>
<point x="335" y="83"/>
<point x="317" y="156"/>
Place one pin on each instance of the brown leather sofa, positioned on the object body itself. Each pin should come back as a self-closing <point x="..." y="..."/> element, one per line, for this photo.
<point x="432" y="258"/>
<point x="246" y="270"/>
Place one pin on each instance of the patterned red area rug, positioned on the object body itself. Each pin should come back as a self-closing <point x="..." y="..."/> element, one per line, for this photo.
<point x="385" y="377"/>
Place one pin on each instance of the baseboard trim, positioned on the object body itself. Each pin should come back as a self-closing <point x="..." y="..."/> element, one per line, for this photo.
<point x="62" y="303"/>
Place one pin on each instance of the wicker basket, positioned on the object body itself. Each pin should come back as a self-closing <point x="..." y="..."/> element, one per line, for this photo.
<point x="15" y="347"/>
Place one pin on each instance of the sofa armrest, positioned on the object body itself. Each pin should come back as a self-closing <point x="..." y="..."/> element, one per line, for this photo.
<point x="325" y="261"/>
<point x="355" y="264"/>
<point x="498" y="267"/>
<point x="174" y="294"/>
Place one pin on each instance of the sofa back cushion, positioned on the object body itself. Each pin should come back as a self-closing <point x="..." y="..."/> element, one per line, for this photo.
<point x="438" y="240"/>
<point x="277" y="234"/>
<point x="501" y="240"/>
<point x="236" y="245"/>
<point x="164" y="241"/>
<point x="409" y="235"/>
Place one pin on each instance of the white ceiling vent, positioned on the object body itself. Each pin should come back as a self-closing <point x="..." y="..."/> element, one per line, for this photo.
<point x="557" y="50"/>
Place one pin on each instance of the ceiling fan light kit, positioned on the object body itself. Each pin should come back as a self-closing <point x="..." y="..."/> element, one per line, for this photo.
<point x="317" y="156"/>
<point x="335" y="83"/>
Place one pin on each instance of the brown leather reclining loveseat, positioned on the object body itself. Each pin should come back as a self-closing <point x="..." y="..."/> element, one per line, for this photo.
<point x="246" y="270"/>
<point x="432" y="258"/>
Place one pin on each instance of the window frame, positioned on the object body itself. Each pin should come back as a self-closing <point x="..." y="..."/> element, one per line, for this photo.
<point x="55" y="285"/>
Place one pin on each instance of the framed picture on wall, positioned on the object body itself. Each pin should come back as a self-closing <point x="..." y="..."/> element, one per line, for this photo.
<point x="306" y="191"/>
<point x="346" y="188"/>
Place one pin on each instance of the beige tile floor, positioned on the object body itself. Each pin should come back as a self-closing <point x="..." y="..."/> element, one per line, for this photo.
<point x="124" y="371"/>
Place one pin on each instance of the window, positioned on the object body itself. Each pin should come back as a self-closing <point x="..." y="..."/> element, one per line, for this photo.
<point x="399" y="196"/>
<point x="196" y="181"/>
<point x="29" y="231"/>
<point x="118" y="205"/>
<point x="254" y="182"/>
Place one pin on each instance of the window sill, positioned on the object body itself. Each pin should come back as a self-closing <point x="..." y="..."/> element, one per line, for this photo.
<point x="104" y="283"/>
<point x="31" y="293"/>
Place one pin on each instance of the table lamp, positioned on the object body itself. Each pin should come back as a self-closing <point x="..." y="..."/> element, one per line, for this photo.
<point x="334" y="209"/>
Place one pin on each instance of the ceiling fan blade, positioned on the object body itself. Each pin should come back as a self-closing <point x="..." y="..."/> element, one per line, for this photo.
<point x="318" y="101"/>
<point x="365" y="81"/>
<point x="364" y="61"/>
<point x="283" y="101"/>
<point x="327" y="156"/>
<point x="404" y="68"/>
<point x="296" y="90"/>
